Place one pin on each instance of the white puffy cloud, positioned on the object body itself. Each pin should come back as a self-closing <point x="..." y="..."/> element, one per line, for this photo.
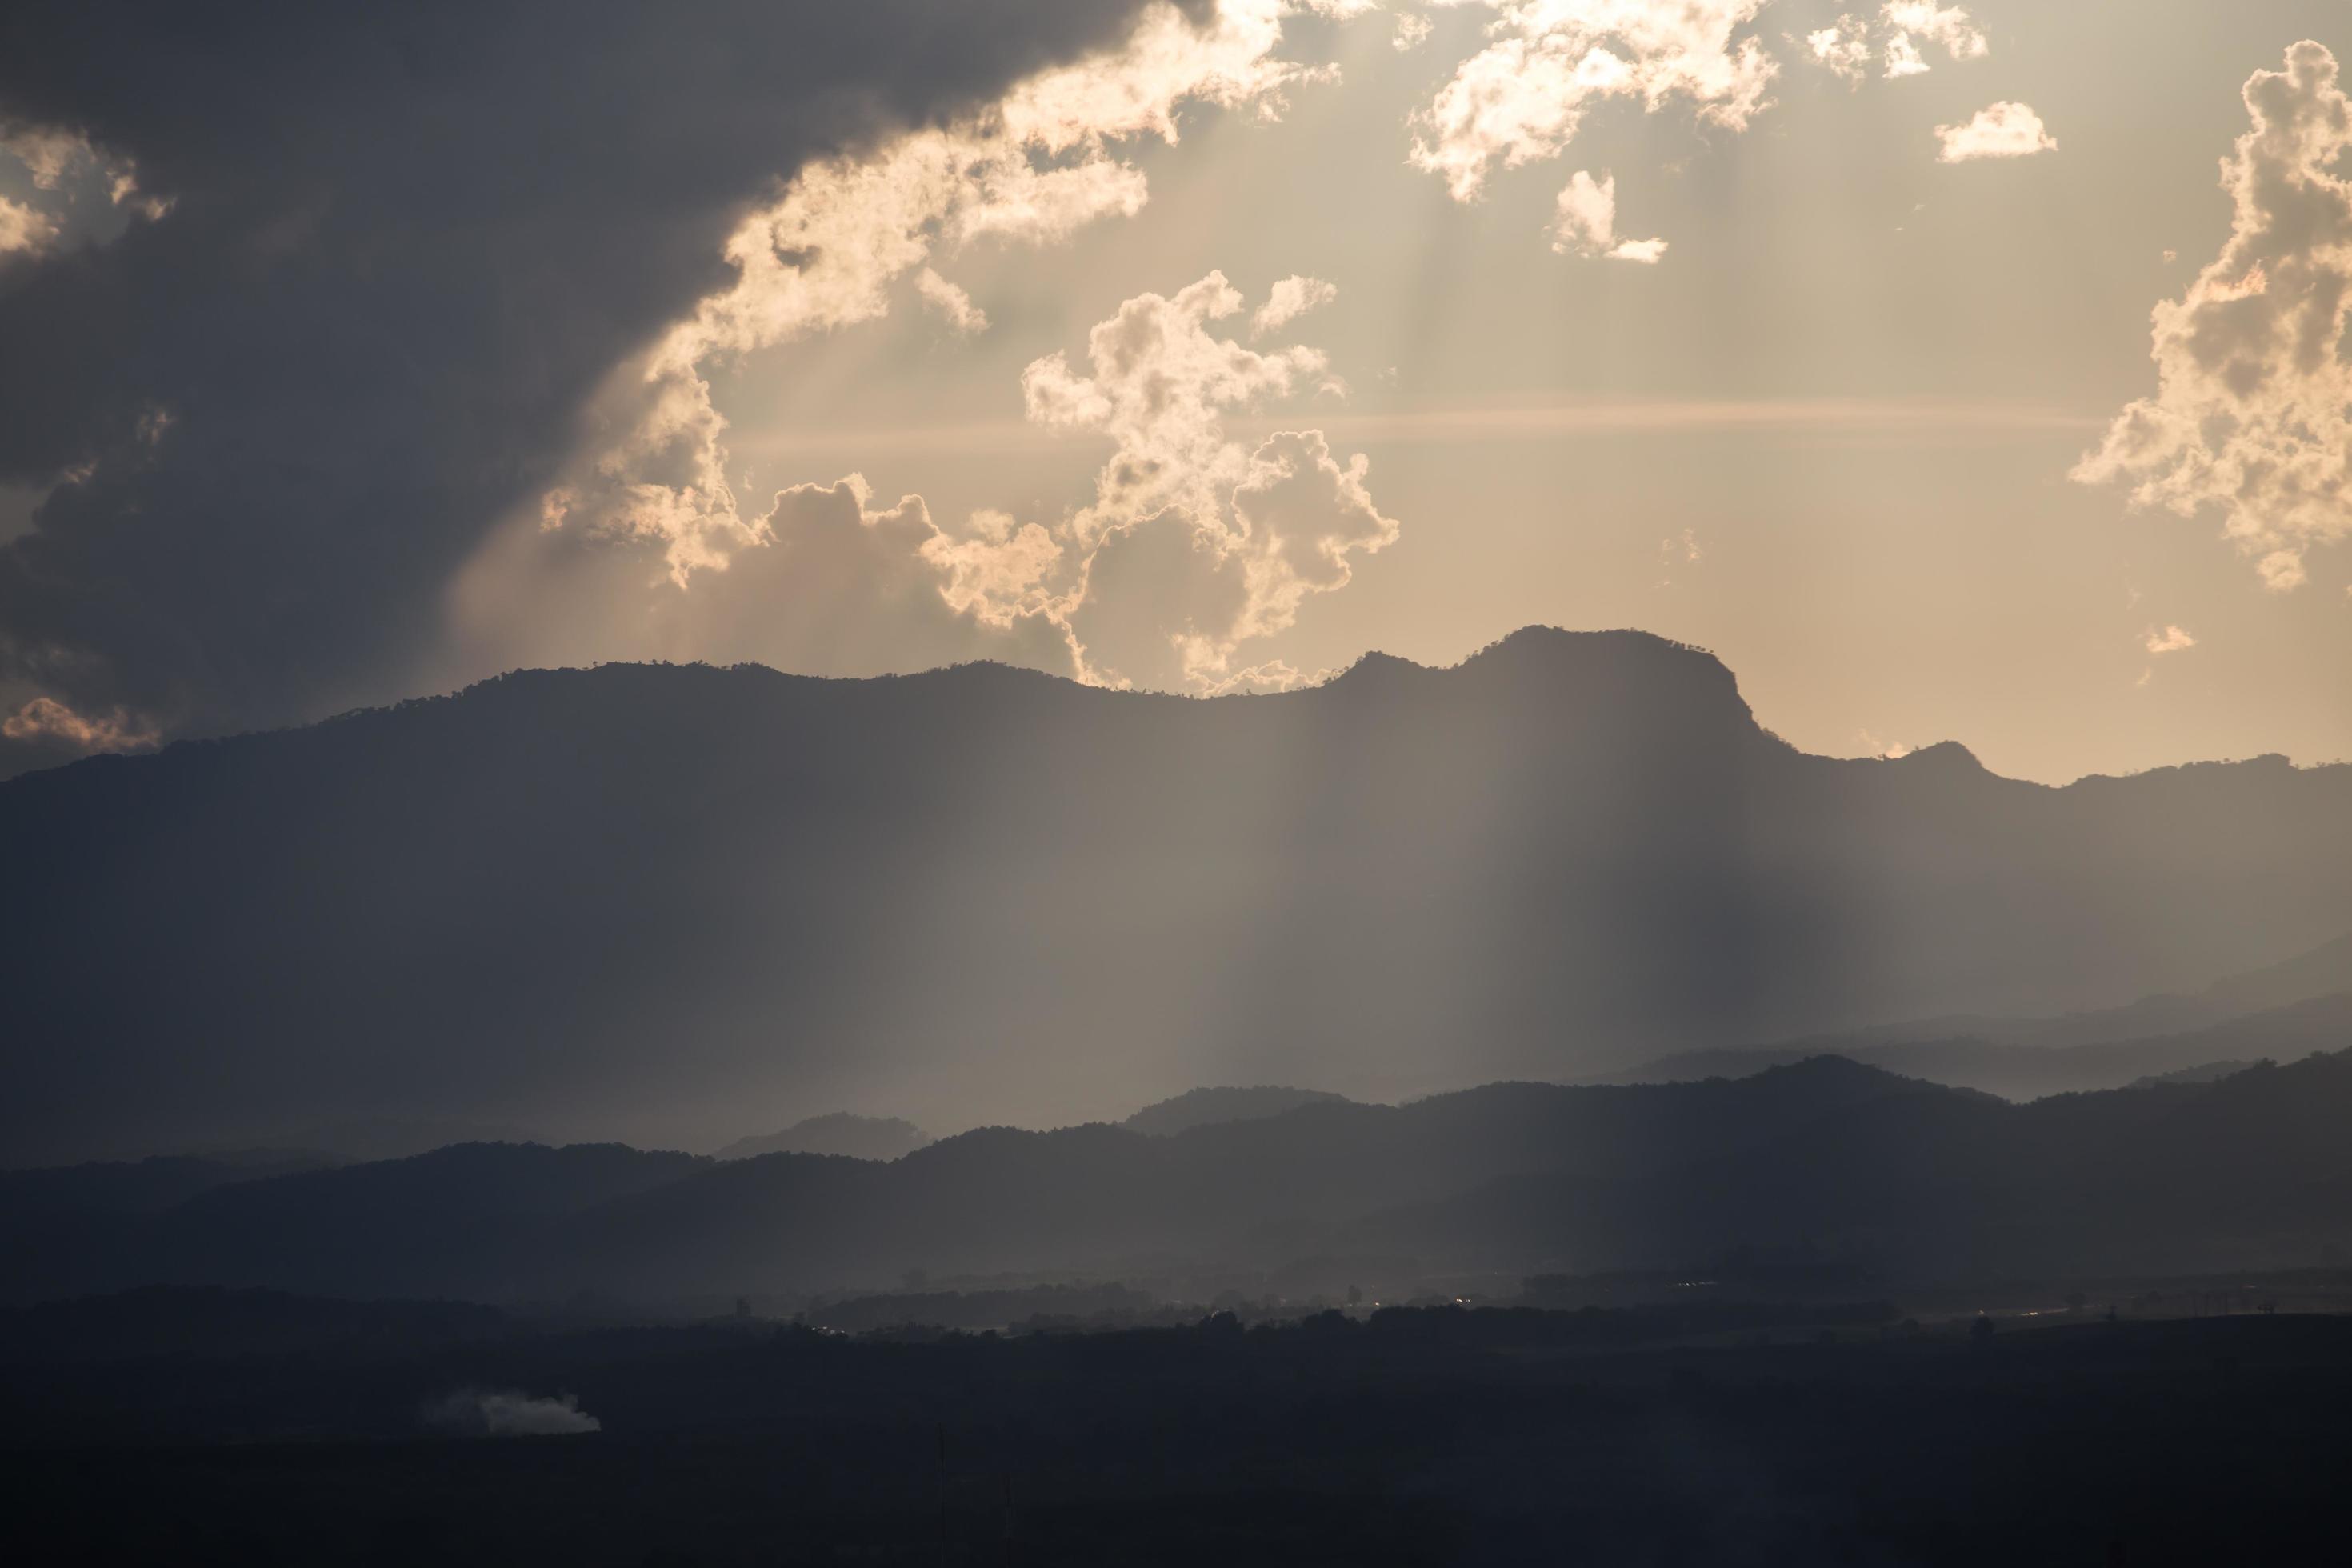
<point x="1999" y="131"/>
<point x="1001" y="571"/>
<point x="953" y="305"/>
<point x="2170" y="639"/>
<point x="1194" y="546"/>
<point x="1523" y="96"/>
<point x="2252" y="411"/>
<point x="1291" y="299"/>
<point x="1584" y="223"/>
<point x="1412" y="30"/>
<point x="1034" y="167"/>
<point x="1195" y="543"/>
<point x="1903" y="59"/>
<point x="1949" y="27"/>
<point x="1844" y="48"/>
<point x="1893" y="37"/>
<point x="1161" y="384"/>
<point x="1169" y="599"/>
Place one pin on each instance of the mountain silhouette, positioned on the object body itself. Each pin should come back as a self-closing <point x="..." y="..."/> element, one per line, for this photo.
<point x="626" y="902"/>
<point x="507" y="1222"/>
<point x="2249" y="1171"/>
<point x="1905" y="1181"/>
<point x="835" y="1132"/>
<point x="1201" y="1107"/>
<point x="2322" y="972"/>
<point x="2029" y="1072"/>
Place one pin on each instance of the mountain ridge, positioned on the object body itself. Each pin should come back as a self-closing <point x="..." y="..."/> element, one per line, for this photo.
<point x="625" y="900"/>
<point x="1906" y="1180"/>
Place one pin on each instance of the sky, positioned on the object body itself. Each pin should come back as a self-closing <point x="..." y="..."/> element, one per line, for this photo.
<point x="1965" y="371"/>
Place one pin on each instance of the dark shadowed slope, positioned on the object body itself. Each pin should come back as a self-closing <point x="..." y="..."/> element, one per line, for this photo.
<point x="499" y="1221"/>
<point x="2252" y="1170"/>
<point x="1908" y="1181"/>
<point x="138" y="1186"/>
<point x="1201" y="1107"/>
<point x="629" y="902"/>
<point x="835" y="1133"/>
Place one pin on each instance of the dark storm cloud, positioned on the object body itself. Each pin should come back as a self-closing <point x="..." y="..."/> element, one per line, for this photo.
<point x="403" y="246"/>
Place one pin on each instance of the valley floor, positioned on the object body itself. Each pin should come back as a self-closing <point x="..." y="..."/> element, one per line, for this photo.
<point x="1418" y="1437"/>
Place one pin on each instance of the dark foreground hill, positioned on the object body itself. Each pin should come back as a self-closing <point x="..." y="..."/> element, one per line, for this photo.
<point x="1886" y="1179"/>
<point x="629" y="902"/>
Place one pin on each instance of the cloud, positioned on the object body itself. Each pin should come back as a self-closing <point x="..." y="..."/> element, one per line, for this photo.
<point x="1523" y="98"/>
<point x="953" y="305"/>
<point x="1412" y="30"/>
<point x="2159" y="642"/>
<point x="1949" y="26"/>
<point x="47" y="153"/>
<point x="408" y="271"/>
<point x="1584" y="223"/>
<point x="504" y="1413"/>
<point x="1291" y="299"/>
<point x="1884" y="751"/>
<point x="1160" y="383"/>
<point x="1032" y="168"/>
<point x="23" y="228"/>
<point x="832" y="581"/>
<point x="1171" y="599"/>
<point x="1193" y="546"/>
<point x="1999" y="131"/>
<point x="2252" y="411"/>
<point x="1843" y="48"/>
<point x="60" y="164"/>
<point x="47" y="724"/>
<point x="1848" y="46"/>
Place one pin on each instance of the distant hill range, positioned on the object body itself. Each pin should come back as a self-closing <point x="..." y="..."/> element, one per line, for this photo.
<point x="2280" y="1013"/>
<point x="633" y="901"/>
<point x="1202" y="1107"/>
<point x="1892" y="1178"/>
<point x="835" y="1133"/>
